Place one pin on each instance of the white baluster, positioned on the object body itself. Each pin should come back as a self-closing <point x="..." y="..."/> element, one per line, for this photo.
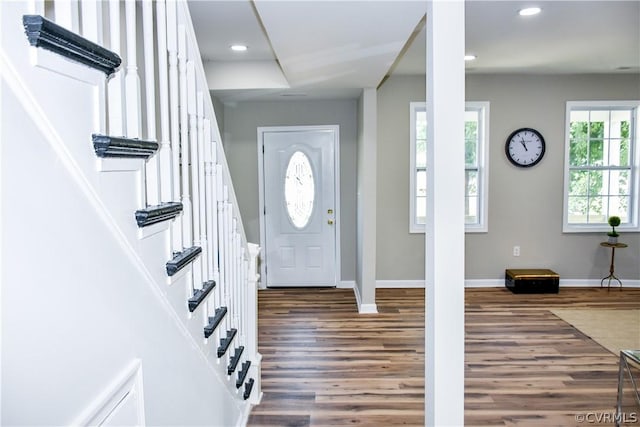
<point x="236" y="265"/>
<point x="202" y="214"/>
<point x="174" y="97"/>
<point x="148" y="30"/>
<point x="164" y="156"/>
<point x="187" y="237"/>
<point x="66" y="14"/>
<point x="243" y="291"/>
<point x="233" y="289"/>
<point x="195" y="163"/>
<point x="36" y="7"/>
<point x="92" y="20"/>
<point x="215" y="195"/>
<point x="132" y="80"/>
<point x="226" y="253"/>
<point x="220" y="233"/>
<point x="115" y="88"/>
<point x="252" y="302"/>
<point x="91" y="24"/>
<point x="209" y="194"/>
<point x="229" y="259"/>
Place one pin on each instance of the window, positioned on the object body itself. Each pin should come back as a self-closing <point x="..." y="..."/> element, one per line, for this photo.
<point x="476" y="162"/>
<point x="601" y="165"/>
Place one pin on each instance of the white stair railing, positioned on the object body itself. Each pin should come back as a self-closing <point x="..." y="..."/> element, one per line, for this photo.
<point x="168" y="101"/>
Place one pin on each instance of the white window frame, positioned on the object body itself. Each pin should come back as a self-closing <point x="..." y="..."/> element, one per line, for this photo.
<point x="414" y="107"/>
<point x="633" y="225"/>
<point x="483" y="167"/>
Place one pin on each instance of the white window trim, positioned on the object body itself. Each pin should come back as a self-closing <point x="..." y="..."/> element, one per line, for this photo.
<point x="634" y="219"/>
<point x="413" y="107"/>
<point x="483" y="168"/>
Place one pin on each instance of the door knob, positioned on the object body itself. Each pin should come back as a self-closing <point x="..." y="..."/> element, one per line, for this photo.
<point x="330" y="222"/>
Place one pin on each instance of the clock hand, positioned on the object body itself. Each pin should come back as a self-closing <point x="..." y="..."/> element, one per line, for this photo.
<point x="523" y="144"/>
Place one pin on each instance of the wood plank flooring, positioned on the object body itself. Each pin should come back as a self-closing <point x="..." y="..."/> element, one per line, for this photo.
<point x="324" y="364"/>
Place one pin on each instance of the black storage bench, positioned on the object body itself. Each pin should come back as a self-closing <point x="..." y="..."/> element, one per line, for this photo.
<point x="532" y="281"/>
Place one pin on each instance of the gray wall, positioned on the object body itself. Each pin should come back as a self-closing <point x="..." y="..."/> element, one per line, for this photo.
<point x="525" y="205"/>
<point x="218" y="108"/>
<point x="241" y="121"/>
<point x="400" y="255"/>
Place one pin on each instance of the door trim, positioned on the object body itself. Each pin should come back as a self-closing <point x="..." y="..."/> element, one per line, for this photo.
<point x="263" y="240"/>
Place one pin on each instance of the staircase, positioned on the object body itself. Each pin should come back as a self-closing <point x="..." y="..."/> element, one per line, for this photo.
<point x="122" y="229"/>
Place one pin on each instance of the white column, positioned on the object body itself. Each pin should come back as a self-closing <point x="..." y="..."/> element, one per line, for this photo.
<point x="444" y="319"/>
<point x="366" y="202"/>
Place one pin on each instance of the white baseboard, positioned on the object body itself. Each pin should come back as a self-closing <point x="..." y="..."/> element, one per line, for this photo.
<point x="346" y="284"/>
<point x="400" y="284"/>
<point x="484" y="283"/>
<point x="364" y="308"/>
<point x="595" y="283"/>
<point x="499" y="283"/>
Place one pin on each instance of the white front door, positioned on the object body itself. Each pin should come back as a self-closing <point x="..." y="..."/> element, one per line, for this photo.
<point x="299" y="205"/>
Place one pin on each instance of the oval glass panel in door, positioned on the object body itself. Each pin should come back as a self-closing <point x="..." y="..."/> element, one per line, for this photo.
<point x="299" y="189"/>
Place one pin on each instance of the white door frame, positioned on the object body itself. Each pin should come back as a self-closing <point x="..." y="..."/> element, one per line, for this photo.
<point x="263" y="238"/>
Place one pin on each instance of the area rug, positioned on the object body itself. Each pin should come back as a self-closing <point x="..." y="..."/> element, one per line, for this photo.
<point x="615" y="330"/>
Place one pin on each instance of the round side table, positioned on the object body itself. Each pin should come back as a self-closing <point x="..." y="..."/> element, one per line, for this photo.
<point x="611" y="275"/>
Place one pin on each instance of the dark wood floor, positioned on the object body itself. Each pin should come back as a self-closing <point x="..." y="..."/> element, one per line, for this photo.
<point x="324" y="364"/>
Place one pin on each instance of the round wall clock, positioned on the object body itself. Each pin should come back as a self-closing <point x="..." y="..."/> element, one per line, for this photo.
<point x="525" y="147"/>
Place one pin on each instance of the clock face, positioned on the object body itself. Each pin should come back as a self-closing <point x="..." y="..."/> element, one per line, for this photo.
<point x="525" y="147"/>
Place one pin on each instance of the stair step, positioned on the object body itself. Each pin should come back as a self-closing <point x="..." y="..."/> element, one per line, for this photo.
<point x="181" y="259"/>
<point x="121" y="147"/>
<point x="235" y="359"/>
<point x="226" y="342"/>
<point x="154" y="214"/>
<point x="247" y="388"/>
<point x="243" y="373"/>
<point x="200" y="294"/>
<point x="50" y="36"/>
<point x="215" y="321"/>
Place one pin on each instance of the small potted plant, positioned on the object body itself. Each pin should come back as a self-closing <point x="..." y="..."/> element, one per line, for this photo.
<point x="613" y="221"/>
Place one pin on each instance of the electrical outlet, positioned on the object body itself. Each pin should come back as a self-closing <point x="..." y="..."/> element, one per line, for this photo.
<point x="516" y="251"/>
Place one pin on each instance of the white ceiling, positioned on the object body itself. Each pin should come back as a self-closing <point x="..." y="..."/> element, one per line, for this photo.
<point x="301" y="49"/>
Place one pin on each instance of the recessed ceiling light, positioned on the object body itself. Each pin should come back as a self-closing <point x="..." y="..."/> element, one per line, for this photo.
<point x="529" y="11"/>
<point x="469" y="57"/>
<point x="238" y="47"/>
